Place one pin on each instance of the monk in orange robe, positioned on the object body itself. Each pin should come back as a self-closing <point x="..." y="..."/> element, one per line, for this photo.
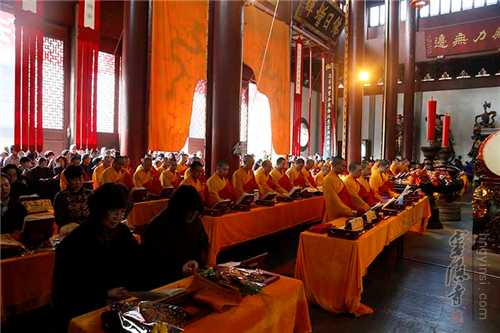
<point x="203" y="178"/>
<point x="306" y="173"/>
<point x="338" y="200"/>
<point x="219" y="187"/>
<point x="128" y="173"/>
<point x="375" y="165"/>
<point x="170" y="177"/>
<point x="182" y="165"/>
<point x="97" y="175"/>
<point x="404" y="166"/>
<point x="163" y="166"/>
<point x="264" y="180"/>
<point x="193" y="180"/>
<point x="283" y="183"/>
<point x="113" y="174"/>
<point x="147" y="178"/>
<point x="319" y="178"/>
<point x="394" y="169"/>
<point x="357" y="192"/>
<point x="243" y="179"/>
<point x="295" y="173"/>
<point x="369" y="196"/>
<point x="381" y="183"/>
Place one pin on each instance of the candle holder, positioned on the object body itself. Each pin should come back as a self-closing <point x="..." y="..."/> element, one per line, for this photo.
<point x="430" y="154"/>
<point x="444" y="155"/>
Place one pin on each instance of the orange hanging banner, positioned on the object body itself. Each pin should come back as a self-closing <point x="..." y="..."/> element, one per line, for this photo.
<point x="178" y="62"/>
<point x="274" y="80"/>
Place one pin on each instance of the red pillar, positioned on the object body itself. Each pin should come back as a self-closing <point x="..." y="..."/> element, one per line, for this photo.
<point x="355" y="87"/>
<point x="133" y="120"/>
<point x="409" y="81"/>
<point x="225" y="72"/>
<point x="390" y="110"/>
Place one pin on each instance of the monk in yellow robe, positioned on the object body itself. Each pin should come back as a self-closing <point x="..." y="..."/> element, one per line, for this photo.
<point x="164" y="166"/>
<point x="264" y="180"/>
<point x="371" y="197"/>
<point x="202" y="178"/>
<point x="338" y="201"/>
<point x="381" y="183"/>
<point x="170" y="177"/>
<point x="243" y="179"/>
<point x="355" y="189"/>
<point x="193" y="180"/>
<point x="375" y="165"/>
<point x="182" y="165"/>
<point x="328" y="163"/>
<point x="306" y="173"/>
<point x="394" y="169"/>
<point x="283" y="183"/>
<point x="113" y="174"/>
<point x="147" y="178"/>
<point x="219" y="187"/>
<point x="97" y="175"/>
<point x="295" y="173"/>
<point x="404" y="166"/>
<point x="319" y="178"/>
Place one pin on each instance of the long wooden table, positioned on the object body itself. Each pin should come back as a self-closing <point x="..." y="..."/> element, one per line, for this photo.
<point x="26" y="282"/>
<point x="144" y="211"/>
<point x="235" y="228"/>
<point x="332" y="269"/>
<point x="281" y="307"/>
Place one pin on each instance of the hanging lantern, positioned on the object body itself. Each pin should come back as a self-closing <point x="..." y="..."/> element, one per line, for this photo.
<point x="419" y="3"/>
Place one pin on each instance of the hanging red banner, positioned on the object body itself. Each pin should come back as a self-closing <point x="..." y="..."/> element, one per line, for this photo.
<point x="28" y="120"/>
<point x="310" y="101"/>
<point x="87" y="66"/>
<point x="297" y="100"/>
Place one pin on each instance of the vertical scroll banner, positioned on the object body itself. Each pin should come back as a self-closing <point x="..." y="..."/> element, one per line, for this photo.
<point x="329" y="111"/>
<point x="297" y="99"/>
<point x="463" y="38"/>
<point x="28" y="120"/>
<point x="86" y="74"/>
<point x="323" y="132"/>
<point x="310" y="100"/>
<point x="322" y="18"/>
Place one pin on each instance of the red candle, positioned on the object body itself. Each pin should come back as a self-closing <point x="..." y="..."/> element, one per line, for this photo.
<point x="446" y="130"/>
<point x="431" y="120"/>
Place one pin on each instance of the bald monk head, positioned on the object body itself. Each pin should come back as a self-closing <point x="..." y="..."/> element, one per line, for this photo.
<point x="355" y="170"/>
<point x="338" y="165"/>
<point x="106" y="162"/>
<point x="147" y="164"/>
<point x="377" y="162"/>
<point x="184" y="158"/>
<point x="367" y="171"/>
<point x="196" y="168"/>
<point x="310" y="164"/>
<point x="222" y="169"/>
<point x="126" y="161"/>
<point x="383" y="166"/>
<point x="267" y="166"/>
<point x="248" y="162"/>
<point x="172" y="165"/>
<point x="395" y="161"/>
<point x="118" y="163"/>
<point x="325" y="170"/>
<point x="281" y="164"/>
<point x="299" y="164"/>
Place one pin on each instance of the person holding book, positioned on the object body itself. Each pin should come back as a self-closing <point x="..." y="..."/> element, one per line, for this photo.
<point x="244" y="179"/>
<point x="357" y="192"/>
<point x="264" y="180"/>
<point x="196" y="169"/>
<point x="219" y="187"/>
<point x="283" y="183"/>
<point x="295" y="173"/>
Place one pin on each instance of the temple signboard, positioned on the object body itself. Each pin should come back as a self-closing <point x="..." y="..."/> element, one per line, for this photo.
<point x="463" y="38"/>
<point x="322" y="18"/>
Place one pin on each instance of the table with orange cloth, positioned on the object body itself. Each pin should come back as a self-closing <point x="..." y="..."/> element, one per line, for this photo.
<point x="144" y="211"/>
<point x="238" y="227"/>
<point x="26" y="282"/>
<point x="332" y="269"/>
<point x="280" y="307"/>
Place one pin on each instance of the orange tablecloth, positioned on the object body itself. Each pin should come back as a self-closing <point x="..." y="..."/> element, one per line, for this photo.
<point x="281" y="307"/>
<point x="332" y="269"/>
<point x="26" y="282"/>
<point x="239" y="227"/>
<point x="143" y="212"/>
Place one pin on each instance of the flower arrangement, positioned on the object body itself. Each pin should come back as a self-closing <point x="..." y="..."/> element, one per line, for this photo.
<point x="436" y="178"/>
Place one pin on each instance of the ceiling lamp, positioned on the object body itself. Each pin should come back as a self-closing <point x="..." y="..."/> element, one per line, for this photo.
<point x="445" y="76"/>
<point x="482" y="73"/>
<point x="427" y="78"/>
<point x="419" y="3"/>
<point x="463" y="75"/>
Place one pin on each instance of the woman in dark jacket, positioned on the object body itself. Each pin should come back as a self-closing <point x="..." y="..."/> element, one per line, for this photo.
<point x="175" y="242"/>
<point x="98" y="261"/>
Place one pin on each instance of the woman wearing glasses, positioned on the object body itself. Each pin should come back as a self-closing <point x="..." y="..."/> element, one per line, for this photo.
<point x="98" y="261"/>
<point x="175" y="242"/>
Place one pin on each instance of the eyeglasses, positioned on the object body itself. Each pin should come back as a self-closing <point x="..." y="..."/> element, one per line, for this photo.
<point x="118" y="214"/>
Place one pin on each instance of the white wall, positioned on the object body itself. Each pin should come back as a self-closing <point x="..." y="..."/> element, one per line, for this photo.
<point x="315" y="121"/>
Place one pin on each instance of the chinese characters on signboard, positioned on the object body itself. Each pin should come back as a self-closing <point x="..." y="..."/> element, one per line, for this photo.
<point x="463" y="38"/>
<point x="455" y="274"/>
<point x="323" y="18"/>
<point x="329" y="112"/>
